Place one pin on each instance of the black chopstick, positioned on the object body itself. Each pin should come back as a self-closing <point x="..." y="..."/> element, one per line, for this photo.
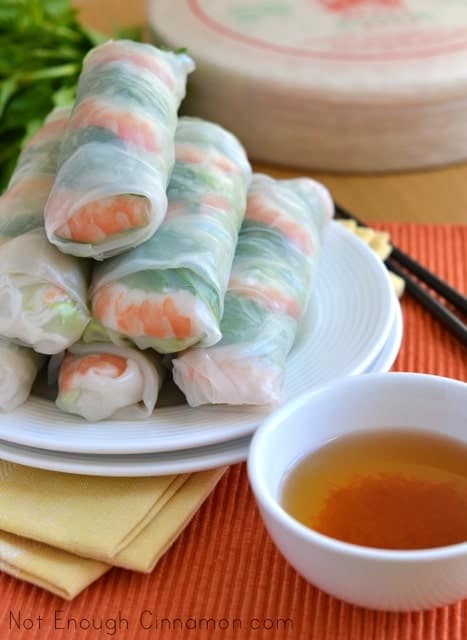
<point x="397" y="259"/>
<point x="440" y="286"/>
<point x="444" y="315"/>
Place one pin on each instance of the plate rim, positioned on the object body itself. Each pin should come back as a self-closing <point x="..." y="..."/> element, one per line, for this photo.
<point x="235" y="451"/>
<point x="384" y="359"/>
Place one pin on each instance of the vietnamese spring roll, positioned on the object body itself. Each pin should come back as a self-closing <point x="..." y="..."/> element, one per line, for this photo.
<point x="269" y="288"/>
<point x="118" y="152"/>
<point x="102" y="380"/>
<point x="169" y="293"/>
<point x="43" y="293"/>
<point x="19" y="367"/>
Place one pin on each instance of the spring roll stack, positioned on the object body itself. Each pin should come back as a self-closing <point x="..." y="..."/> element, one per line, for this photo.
<point x="110" y="190"/>
<point x="169" y="293"/>
<point x="120" y="140"/>
<point x="197" y="258"/>
<point x="43" y="293"/>
<point x="268" y="292"/>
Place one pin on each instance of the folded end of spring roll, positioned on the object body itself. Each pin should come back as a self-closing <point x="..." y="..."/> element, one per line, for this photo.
<point x="42" y="294"/>
<point x="100" y="380"/>
<point x="18" y="369"/>
<point x="220" y="376"/>
<point x="306" y="188"/>
<point x="39" y="314"/>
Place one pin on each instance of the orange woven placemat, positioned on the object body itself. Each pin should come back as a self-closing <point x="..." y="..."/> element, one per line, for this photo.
<point x="223" y="577"/>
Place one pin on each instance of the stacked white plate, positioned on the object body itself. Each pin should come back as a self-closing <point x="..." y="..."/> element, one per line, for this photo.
<point x="353" y="326"/>
<point x="353" y="85"/>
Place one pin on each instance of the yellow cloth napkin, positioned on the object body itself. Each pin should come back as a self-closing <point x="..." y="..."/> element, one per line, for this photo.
<point x="140" y="540"/>
<point x="147" y="548"/>
<point x="57" y="571"/>
<point x="87" y="515"/>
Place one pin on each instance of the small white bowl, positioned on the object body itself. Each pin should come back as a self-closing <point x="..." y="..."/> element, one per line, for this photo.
<point x="374" y="578"/>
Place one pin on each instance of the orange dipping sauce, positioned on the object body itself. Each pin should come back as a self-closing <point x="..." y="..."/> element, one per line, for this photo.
<point x="389" y="489"/>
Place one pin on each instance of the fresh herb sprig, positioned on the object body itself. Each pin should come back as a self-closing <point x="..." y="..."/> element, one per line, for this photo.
<point x="42" y="46"/>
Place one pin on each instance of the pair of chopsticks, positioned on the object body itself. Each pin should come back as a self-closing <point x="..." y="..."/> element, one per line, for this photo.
<point x="406" y="267"/>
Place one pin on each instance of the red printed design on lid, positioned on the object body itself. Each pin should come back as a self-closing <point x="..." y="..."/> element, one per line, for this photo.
<point x="346" y="31"/>
<point x="343" y="5"/>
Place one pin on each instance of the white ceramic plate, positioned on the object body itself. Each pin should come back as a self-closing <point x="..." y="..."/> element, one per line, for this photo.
<point x="347" y="324"/>
<point x="138" y="464"/>
<point x="181" y="461"/>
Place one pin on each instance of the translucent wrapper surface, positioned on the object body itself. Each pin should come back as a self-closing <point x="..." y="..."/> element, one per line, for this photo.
<point x="269" y="288"/>
<point x="43" y="294"/>
<point x="169" y="293"/>
<point x="22" y="204"/>
<point x="118" y="152"/>
<point x="18" y="369"/>
<point x="101" y="380"/>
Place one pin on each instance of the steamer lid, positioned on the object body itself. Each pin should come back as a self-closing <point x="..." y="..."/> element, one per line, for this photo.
<point x="378" y="51"/>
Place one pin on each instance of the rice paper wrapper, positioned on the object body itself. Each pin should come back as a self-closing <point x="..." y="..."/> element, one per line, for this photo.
<point x="168" y="294"/>
<point x="22" y="204"/>
<point x="270" y="285"/>
<point x="43" y="294"/>
<point x="118" y="152"/>
<point x="19" y="367"/>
